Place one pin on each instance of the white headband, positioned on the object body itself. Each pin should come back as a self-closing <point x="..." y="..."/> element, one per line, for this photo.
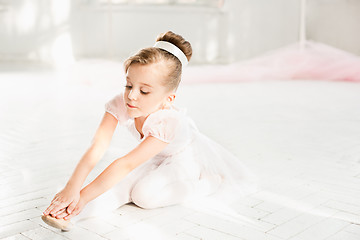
<point x="174" y="50"/>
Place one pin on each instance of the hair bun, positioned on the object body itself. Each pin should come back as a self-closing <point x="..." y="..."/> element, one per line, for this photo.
<point x="178" y="41"/>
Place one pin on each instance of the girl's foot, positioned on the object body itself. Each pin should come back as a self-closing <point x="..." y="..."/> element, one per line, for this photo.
<point x="64" y="225"/>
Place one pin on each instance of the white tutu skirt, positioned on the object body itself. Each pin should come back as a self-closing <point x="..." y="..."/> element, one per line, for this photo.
<point x="214" y="159"/>
<point x="190" y="155"/>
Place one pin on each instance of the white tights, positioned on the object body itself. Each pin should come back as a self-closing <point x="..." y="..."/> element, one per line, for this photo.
<point x="152" y="186"/>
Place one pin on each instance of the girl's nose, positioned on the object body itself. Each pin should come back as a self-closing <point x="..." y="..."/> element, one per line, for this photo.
<point x="132" y="95"/>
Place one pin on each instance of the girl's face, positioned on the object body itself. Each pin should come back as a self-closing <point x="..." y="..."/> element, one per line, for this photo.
<point x="144" y="93"/>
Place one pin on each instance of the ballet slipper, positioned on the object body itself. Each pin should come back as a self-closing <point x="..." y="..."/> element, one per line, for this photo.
<point x="64" y="225"/>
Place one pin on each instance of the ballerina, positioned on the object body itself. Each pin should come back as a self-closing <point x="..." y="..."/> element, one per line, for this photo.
<point x="174" y="162"/>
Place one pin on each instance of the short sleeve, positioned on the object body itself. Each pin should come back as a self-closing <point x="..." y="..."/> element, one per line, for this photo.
<point x="164" y="124"/>
<point x="116" y="107"/>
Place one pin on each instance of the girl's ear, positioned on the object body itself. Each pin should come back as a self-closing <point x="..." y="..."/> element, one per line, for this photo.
<point x="171" y="98"/>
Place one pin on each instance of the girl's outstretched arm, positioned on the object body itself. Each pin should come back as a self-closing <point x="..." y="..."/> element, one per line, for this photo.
<point x="69" y="196"/>
<point x="119" y="168"/>
<point x="99" y="145"/>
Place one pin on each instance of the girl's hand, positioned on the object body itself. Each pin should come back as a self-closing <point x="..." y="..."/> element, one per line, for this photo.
<point x="78" y="208"/>
<point x="65" y="200"/>
<point x="61" y="213"/>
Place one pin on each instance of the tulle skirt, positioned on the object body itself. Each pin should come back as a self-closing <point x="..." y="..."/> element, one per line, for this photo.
<point x="312" y="60"/>
<point x="237" y="180"/>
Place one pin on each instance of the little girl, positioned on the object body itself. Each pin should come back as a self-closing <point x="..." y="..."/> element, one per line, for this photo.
<point x="173" y="162"/>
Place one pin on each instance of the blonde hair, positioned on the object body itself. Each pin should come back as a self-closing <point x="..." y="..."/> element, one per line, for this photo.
<point x="154" y="55"/>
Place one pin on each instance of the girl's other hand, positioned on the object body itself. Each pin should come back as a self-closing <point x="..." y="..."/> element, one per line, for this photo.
<point x="80" y="205"/>
<point x="65" y="199"/>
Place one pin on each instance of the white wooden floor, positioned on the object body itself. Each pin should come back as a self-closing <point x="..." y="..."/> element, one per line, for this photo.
<point x="302" y="138"/>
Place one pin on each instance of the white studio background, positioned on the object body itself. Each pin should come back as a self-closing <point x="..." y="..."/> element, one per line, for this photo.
<point x="62" y="31"/>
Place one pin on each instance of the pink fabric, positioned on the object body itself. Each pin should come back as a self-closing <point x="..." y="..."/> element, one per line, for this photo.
<point x="316" y="61"/>
<point x="116" y="107"/>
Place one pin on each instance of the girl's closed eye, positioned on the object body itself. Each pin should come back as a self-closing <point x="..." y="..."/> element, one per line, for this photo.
<point x="129" y="87"/>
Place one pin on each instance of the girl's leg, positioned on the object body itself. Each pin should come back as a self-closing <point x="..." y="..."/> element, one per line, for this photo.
<point x="105" y="203"/>
<point x="172" y="184"/>
<point x="115" y="197"/>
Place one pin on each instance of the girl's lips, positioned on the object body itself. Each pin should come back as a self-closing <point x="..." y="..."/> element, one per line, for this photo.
<point x="130" y="106"/>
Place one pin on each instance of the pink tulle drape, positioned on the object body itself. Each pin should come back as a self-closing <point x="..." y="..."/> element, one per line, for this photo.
<point x="313" y="61"/>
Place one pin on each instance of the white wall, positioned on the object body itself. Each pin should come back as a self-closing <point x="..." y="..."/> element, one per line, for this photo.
<point x="259" y="26"/>
<point x="48" y="29"/>
<point x="121" y="31"/>
<point x="335" y="22"/>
